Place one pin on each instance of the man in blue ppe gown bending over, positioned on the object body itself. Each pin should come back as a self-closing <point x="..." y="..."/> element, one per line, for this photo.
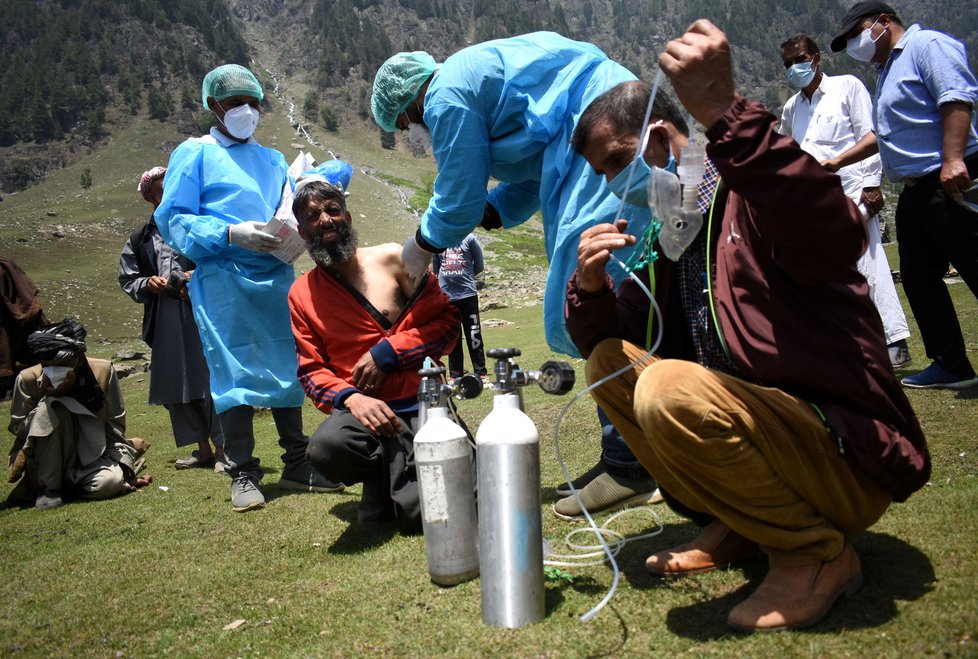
<point x="219" y="191"/>
<point x="505" y="109"/>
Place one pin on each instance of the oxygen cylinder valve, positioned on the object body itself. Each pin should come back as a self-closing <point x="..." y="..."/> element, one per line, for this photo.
<point x="554" y="377"/>
<point x="433" y="393"/>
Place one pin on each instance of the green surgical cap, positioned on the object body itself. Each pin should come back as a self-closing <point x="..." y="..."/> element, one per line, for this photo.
<point x="397" y="83"/>
<point x="230" y="80"/>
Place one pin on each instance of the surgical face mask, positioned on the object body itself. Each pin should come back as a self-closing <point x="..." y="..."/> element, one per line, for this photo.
<point x="801" y="75"/>
<point x="57" y="375"/>
<point x="419" y="136"/>
<point x="636" y="177"/>
<point x="241" y="121"/>
<point x="862" y="47"/>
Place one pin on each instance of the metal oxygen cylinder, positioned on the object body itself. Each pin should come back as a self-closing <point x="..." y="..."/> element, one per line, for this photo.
<point x="510" y="526"/>
<point x="446" y="480"/>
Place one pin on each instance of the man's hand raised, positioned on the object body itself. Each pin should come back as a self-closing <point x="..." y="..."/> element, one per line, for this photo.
<point x="698" y="64"/>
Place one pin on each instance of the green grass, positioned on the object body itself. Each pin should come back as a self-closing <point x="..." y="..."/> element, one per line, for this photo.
<point x="163" y="572"/>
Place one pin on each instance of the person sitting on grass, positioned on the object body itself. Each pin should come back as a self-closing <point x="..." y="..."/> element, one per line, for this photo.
<point x="155" y="275"/>
<point x="362" y="331"/>
<point x="69" y="424"/>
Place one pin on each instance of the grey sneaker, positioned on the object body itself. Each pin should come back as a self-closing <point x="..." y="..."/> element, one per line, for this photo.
<point x="49" y="499"/>
<point x="302" y="477"/>
<point x="245" y="494"/>
<point x="563" y="490"/>
<point x="605" y="494"/>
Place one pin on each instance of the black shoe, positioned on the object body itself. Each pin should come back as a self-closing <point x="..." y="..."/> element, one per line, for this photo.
<point x="302" y="477"/>
<point x="375" y="504"/>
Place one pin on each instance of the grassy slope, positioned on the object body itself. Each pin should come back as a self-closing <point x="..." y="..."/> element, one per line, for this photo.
<point x="162" y="572"/>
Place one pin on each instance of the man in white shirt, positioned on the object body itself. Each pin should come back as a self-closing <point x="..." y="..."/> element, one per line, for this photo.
<point x="827" y="117"/>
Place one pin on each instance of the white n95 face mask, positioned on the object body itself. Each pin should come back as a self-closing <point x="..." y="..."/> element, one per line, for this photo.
<point x="418" y="135"/>
<point x="57" y="375"/>
<point x="241" y="121"/>
<point x="862" y="47"/>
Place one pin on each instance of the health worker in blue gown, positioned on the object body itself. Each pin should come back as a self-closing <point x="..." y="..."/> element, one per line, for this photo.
<point x="219" y="191"/>
<point x="506" y="109"/>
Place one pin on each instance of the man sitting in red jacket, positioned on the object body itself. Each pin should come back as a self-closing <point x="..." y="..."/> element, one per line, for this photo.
<point x="362" y="330"/>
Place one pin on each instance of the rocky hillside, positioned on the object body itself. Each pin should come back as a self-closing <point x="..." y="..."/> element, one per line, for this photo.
<point x="72" y="72"/>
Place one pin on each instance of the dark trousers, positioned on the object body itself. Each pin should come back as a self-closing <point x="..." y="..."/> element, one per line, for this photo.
<point x="342" y="449"/>
<point x="468" y="308"/>
<point x="933" y="231"/>
<point x="239" y="438"/>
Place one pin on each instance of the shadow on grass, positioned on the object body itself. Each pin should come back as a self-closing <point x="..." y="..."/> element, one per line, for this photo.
<point x="967" y="394"/>
<point x="356" y="537"/>
<point x="893" y="571"/>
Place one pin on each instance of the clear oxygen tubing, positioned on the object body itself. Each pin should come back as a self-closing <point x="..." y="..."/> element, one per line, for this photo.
<point x="600" y="532"/>
<point x="642" y="138"/>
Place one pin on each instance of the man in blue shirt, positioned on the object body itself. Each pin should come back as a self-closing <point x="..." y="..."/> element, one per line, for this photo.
<point x="924" y="130"/>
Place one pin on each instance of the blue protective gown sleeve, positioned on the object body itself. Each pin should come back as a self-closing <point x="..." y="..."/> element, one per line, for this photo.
<point x="460" y="143"/>
<point x="515" y="202"/>
<point x="198" y="206"/>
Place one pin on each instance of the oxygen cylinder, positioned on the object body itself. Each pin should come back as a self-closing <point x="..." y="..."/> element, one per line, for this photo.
<point x="446" y="479"/>
<point x="510" y="527"/>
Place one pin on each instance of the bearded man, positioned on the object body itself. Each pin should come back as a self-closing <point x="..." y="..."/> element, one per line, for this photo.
<point x="362" y="330"/>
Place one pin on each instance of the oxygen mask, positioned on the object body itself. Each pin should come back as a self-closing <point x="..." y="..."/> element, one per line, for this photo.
<point x="673" y="200"/>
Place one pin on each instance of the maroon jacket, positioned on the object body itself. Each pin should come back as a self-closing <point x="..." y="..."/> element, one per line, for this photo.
<point x="793" y="311"/>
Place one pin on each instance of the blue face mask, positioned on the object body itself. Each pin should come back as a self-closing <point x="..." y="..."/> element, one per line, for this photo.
<point x="800" y="75"/>
<point x="637" y="193"/>
<point x="671" y="163"/>
<point x="636" y="177"/>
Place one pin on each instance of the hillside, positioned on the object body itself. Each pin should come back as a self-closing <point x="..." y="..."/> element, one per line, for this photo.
<point x="75" y="72"/>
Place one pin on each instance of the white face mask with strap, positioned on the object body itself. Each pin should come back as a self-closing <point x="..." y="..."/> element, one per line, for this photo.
<point x="241" y="121"/>
<point x="862" y="47"/>
<point x="419" y="136"/>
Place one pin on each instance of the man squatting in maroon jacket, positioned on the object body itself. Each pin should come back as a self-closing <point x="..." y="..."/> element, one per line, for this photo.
<point x="793" y="432"/>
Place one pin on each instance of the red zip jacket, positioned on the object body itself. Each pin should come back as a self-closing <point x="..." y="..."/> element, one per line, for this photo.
<point x="792" y="310"/>
<point x="334" y="325"/>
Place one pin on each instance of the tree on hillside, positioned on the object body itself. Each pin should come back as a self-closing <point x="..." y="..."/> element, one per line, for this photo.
<point x="160" y="104"/>
<point x="329" y="119"/>
<point x="42" y="125"/>
<point x="310" y="105"/>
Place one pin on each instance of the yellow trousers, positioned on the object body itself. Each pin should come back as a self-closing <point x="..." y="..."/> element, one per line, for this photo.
<point x="756" y="458"/>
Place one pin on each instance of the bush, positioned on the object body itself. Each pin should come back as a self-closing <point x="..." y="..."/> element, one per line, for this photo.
<point x="329" y="119"/>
